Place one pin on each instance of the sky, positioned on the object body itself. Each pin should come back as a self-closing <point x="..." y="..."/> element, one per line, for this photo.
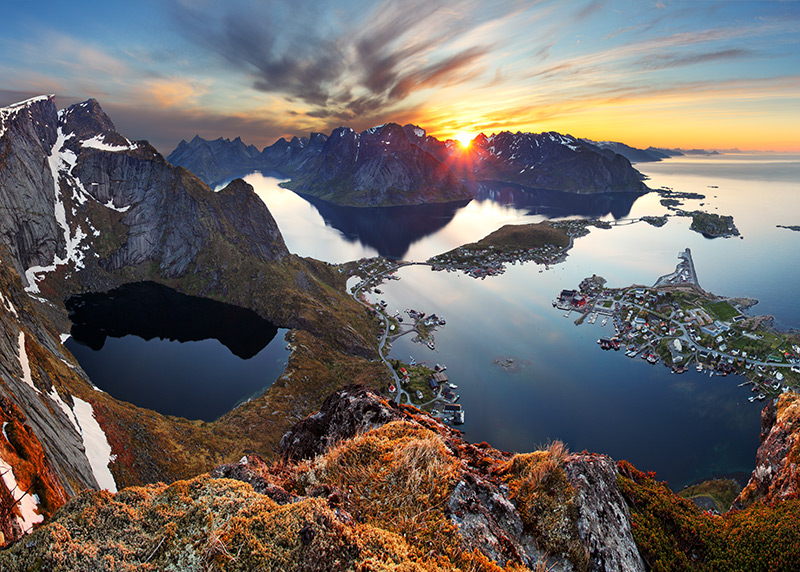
<point x="690" y="74"/>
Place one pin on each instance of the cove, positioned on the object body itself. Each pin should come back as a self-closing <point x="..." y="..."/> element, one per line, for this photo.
<point x="176" y="354"/>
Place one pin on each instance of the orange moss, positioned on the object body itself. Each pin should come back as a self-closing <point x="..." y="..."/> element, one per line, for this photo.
<point x="32" y="471"/>
<point x="545" y="501"/>
<point x="672" y="533"/>
<point x="398" y="477"/>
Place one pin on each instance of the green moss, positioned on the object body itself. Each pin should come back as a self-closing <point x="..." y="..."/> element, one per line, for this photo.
<point x="546" y="502"/>
<point x="114" y="231"/>
<point x="523" y="236"/>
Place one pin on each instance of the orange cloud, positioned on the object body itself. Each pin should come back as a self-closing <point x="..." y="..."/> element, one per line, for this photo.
<point x="174" y="92"/>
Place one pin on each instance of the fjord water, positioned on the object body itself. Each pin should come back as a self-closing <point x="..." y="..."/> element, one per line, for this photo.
<point x="176" y="354"/>
<point x="685" y="427"/>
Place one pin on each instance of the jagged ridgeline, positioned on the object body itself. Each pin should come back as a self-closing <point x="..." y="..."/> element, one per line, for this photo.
<point x="393" y="165"/>
<point x="290" y="480"/>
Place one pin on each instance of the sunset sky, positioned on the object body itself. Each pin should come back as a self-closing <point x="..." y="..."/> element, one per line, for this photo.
<point x="664" y="73"/>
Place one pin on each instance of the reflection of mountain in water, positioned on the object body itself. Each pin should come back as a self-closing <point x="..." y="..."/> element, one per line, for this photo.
<point x="556" y="204"/>
<point x="389" y="230"/>
<point x="149" y="310"/>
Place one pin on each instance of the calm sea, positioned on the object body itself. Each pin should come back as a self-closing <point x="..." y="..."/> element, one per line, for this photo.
<point x="685" y="427"/>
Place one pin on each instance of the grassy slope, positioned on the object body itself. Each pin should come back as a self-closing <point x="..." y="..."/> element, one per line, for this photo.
<point x="523" y="236"/>
<point x="674" y="534"/>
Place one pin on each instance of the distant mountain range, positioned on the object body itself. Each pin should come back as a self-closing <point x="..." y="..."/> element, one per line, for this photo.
<point x="392" y="165"/>
<point x="649" y="155"/>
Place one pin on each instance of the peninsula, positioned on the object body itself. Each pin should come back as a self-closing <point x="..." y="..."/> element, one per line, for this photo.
<point x="678" y="323"/>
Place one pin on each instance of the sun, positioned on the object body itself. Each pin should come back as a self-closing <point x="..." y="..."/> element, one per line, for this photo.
<point x="464" y="138"/>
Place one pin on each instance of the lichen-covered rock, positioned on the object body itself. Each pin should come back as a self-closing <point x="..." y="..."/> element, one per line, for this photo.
<point x="542" y="508"/>
<point x="488" y="520"/>
<point x="251" y="469"/>
<point x="604" y="521"/>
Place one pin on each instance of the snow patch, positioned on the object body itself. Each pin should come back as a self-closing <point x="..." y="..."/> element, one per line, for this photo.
<point x="4" y="430"/>
<point x="26" y="503"/>
<point x="98" y="451"/>
<point x="25" y="364"/>
<point x="64" y="337"/>
<point x="8" y="305"/>
<point x="56" y="398"/>
<point x="376" y="129"/>
<point x="61" y="162"/>
<point x="98" y="142"/>
<point x="567" y="142"/>
<point x="419" y="132"/>
<point x="110" y="205"/>
<point x="351" y="283"/>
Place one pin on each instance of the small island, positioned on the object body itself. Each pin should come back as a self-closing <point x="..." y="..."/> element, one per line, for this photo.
<point x="713" y="225"/>
<point x="657" y="221"/>
<point x="795" y="227"/>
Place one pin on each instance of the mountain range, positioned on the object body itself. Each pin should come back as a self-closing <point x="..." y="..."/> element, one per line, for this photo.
<point x="320" y="472"/>
<point x="649" y="155"/>
<point x="392" y="165"/>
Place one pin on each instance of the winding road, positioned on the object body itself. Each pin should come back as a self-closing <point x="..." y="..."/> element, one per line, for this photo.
<point x="400" y="391"/>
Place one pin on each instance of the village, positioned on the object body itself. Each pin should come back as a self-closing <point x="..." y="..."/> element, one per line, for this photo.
<point x="675" y="322"/>
<point x="414" y="383"/>
<point x="479" y="260"/>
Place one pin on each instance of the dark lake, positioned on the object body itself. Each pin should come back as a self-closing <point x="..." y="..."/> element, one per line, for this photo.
<point x="179" y="355"/>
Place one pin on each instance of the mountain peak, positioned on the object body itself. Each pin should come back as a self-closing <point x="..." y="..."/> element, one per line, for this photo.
<point x="414" y="132"/>
<point x="8" y="113"/>
<point x="87" y="119"/>
<point x="390" y="164"/>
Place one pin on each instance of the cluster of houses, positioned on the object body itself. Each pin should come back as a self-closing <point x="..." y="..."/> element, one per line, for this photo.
<point x="491" y="261"/>
<point x="651" y="321"/>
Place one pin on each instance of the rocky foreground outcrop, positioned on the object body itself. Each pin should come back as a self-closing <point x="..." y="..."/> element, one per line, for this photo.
<point x="366" y="484"/>
<point x="777" y="473"/>
<point x="391" y="488"/>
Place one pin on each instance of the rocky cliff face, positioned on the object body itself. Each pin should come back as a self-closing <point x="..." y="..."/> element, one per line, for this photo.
<point x="84" y="200"/>
<point x="44" y="455"/>
<point x="28" y="132"/>
<point x="392" y="165"/>
<point x="388" y="486"/>
<point x="777" y="473"/>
